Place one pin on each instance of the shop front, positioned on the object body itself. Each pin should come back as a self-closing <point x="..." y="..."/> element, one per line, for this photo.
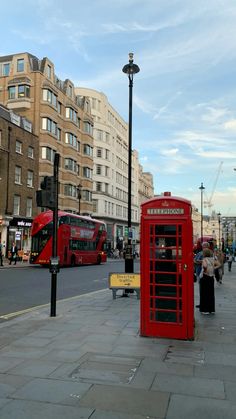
<point x="19" y="232"/>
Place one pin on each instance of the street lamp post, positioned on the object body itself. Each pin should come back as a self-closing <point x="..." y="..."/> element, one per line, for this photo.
<point x="79" y="195"/>
<point x="130" y="69"/>
<point x="219" y="215"/>
<point x="201" y="189"/>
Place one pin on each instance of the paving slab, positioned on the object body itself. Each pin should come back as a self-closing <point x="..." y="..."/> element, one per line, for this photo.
<point x="102" y="414"/>
<point x="23" y="409"/>
<point x="52" y="391"/>
<point x="192" y="386"/>
<point x="221" y="372"/>
<point x="36" y="368"/>
<point x="189" y="407"/>
<point x="127" y="400"/>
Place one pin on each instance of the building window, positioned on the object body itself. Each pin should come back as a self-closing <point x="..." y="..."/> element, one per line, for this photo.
<point x="11" y="92"/>
<point x="49" y="71"/>
<point x="71" y="164"/>
<point x="70" y="90"/>
<point x="20" y="64"/>
<point x="59" y="134"/>
<point x="71" y="139"/>
<point x="18" y="175"/>
<point x="88" y="150"/>
<point x="87" y="172"/>
<point x="70" y="190"/>
<point x="59" y="107"/>
<point x="99" y="152"/>
<point x="48" y="154"/>
<point x="107" y="154"/>
<point x="95" y="205"/>
<point x="16" y="205"/>
<point x="50" y="97"/>
<point x="88" y="128"/>
<point x="99" y="186"/>
<point x="49" y="125"/>
<point x="106" y="188"/>
<point x="30" y="152"/>
<point x="6" y="69"/>
<point x="71" y="114"/>
<point x="18" y="147"/>
<point x="98" y="169"/>
<point x="23" y="90"/>
<point x="29" y="206"/>
<point x="87" y="195"/>
<point x="30" y="178"/>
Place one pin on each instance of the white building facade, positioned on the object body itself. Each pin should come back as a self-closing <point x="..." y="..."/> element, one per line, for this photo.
<point x="110" y="171"/>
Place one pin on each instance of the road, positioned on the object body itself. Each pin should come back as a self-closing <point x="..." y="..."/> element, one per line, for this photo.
<point x="26" y="287"/>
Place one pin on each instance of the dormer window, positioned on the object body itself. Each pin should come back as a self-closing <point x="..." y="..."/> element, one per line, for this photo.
<point x="20" y="64"/>
<point x="49" y="71"/>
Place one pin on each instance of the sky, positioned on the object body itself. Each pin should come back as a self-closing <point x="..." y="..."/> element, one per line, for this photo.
<point x="184" y="97"/>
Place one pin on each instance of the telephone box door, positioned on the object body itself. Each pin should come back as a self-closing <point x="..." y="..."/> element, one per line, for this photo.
<point x="167" y="279"/>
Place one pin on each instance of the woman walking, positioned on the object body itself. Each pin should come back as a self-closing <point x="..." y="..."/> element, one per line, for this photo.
<point x="207" y="286"/>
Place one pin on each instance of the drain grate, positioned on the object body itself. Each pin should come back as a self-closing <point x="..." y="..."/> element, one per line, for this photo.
<point x="98" y="368"/>
<point x="185" y="355"/>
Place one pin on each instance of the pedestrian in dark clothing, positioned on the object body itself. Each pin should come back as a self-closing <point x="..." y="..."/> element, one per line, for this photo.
<point x="13" y="253"/>
<point x="207" y="284"/>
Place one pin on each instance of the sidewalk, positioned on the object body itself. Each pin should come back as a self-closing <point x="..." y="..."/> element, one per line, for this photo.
<point x="90" y="362"/>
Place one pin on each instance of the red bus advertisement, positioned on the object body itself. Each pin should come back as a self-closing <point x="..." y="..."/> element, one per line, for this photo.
<point x="80" y="241"/>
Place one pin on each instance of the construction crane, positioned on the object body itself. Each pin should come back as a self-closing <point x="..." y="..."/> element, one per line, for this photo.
<point x="208" y="202"/>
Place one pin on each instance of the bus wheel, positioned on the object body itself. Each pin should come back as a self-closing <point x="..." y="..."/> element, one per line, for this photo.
<point x="99" y="259"/>
<point x="73" y="260"/>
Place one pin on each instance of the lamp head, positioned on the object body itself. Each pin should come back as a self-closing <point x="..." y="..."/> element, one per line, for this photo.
<point x="131" y="68"/>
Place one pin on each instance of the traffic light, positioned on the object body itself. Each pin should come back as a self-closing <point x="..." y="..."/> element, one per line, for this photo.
<point x="46" y="197"/>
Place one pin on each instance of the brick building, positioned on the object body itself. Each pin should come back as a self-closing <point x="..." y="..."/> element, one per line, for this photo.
<point x="19" y="154"/>
<point x="61" y="119"/>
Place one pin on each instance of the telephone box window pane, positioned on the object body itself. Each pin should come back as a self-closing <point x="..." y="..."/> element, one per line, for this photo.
<point x="165" y="241"/>
<point x="165" y="291"/>
<point x="180" y="279"/>
<point x="163" y="316"/>
<point x="165" y="278"/>
<point x="165" y="266"/>
<point x="152" y="291"/>
<point x="166" y="304"/>
<point x="164" y="230"/>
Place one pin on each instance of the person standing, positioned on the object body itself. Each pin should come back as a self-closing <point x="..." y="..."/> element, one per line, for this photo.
<point x="207" y="282"/>
<point x="219" y="272"/>
<point x="1" y="253"/>
<point x="230" y="260"/>
<point x="198" y="264"/>
<point x="13" y="253"/>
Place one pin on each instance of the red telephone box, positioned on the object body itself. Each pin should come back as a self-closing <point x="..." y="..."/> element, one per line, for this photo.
<point x="167" y="286"/>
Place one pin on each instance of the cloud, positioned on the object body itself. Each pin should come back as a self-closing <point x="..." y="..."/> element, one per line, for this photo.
<point x="230" y="125"/>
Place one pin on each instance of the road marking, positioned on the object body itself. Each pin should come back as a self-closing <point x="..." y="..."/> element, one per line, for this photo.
<point x="28" y="310"/>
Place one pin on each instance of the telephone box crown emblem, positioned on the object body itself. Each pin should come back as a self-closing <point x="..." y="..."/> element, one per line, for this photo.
<point x="165" y="204"/>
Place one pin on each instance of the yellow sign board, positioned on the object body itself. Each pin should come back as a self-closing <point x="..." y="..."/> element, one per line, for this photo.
<point x="125" y="280"/>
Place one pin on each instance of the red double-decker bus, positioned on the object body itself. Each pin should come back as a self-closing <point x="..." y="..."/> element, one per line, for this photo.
<point x="81" y="240"/>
